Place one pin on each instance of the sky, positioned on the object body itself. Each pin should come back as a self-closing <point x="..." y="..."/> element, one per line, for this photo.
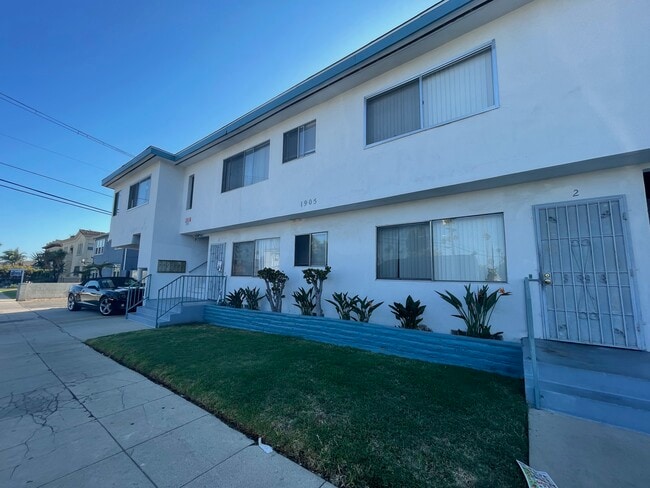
<point x="145" y="73"/>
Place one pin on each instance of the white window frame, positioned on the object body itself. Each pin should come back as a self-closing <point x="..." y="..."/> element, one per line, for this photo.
<point x="135" y="203"/>
<point x="257" y="244"/>
<point x="228" y="160"/>
<point x="432" y="250"/>
<point x="311" y="258"/>
<point x="491" y="46"/>
<point x="100" y="244"/>
<point x="301" y="152"/>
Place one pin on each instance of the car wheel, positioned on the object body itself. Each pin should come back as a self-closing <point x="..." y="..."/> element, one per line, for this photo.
<point x="105" y="306"/>
<point x="73" y="306"/>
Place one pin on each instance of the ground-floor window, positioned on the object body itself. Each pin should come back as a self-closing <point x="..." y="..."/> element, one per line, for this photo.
<point x="454" y="249"/>
<point x="250" y="256"/>
<point x="311" y="249"/>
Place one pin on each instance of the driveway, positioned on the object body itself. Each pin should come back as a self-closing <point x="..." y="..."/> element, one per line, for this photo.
<point x="71" y="417"/>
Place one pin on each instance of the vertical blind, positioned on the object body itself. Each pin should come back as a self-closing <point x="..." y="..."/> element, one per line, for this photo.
<point x="246" y="168"/>
<point x="461" y="89"/>
<point x="469" y="249"/>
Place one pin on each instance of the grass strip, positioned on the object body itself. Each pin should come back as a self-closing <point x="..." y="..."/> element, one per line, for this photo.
<point x="357" y="418"/>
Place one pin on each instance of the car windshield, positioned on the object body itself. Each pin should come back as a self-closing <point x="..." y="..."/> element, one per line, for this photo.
<point x="116" y="282"/>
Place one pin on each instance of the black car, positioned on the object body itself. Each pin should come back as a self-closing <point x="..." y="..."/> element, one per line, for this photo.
<point x="107" y="295"/>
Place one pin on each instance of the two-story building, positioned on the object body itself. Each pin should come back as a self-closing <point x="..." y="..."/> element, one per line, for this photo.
<point x="480" y="142"/>
<point x="110" y="261"/>
<point x="79" y="249"/>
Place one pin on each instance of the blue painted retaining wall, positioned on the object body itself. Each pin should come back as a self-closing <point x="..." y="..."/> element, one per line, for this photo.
<point x="500" y="357"/>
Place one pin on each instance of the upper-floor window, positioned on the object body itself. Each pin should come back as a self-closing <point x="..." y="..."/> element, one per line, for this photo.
<point x="453" y="91"/>
<point x="116" y="203"/>
<point x="80" y="248"/>
<point x="99" y="245"/>
<point x="251" y="256"/>
<point x="299" y="142"/>
<point x="458" y="249"/>
<point x="190" y="193"/>
<point x="246" y="168"/>
<point x="139" y="193"/>
<point x="311" y="250"/>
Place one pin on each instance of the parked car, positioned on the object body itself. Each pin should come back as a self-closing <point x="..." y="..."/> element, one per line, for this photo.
<point x="108" y="295"/>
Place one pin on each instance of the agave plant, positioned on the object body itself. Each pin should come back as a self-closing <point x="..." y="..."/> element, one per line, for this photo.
<point x="363" y="308"/>
<point x="409" y="314"/>
<point x="253" y="298"/>
<point x="343" y="304"/>
<point x="477" y="310"/>
<point x="235" y="298"/>
<point x="305" y="301"/>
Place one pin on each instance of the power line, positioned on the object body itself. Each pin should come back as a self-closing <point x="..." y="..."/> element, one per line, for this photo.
<point x="55" y="179"/>
<point x="50" y="151"/>
<point x="53" y="199"/>
<point x="49" y="118"/>
<point x="59" y="198"/>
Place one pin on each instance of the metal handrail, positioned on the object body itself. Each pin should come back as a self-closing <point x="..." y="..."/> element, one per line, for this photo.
<point x="132" y="298"/>
<point x="197" y="267"/>
<point x="187" y="289"/>
<point x="531" y="340"/>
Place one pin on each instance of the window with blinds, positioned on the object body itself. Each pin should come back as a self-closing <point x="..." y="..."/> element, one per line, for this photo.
<point x="246" y="168"/>
<point x="454" y="91"/>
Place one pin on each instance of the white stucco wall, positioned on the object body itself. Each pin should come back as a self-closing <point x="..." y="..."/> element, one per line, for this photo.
<point x="570" y="81"/>
<point x="352" y="246"/>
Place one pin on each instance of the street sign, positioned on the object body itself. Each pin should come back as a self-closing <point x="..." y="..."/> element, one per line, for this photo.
<point x="15" y="273"/>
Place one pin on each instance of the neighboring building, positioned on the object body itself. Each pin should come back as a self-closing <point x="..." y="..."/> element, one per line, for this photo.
<point x="79" y="249"/>
<point x="111" y="261"/>
<point x="480" y="142"/>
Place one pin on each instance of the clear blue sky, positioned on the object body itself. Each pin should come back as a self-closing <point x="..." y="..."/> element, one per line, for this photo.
<point x="134" y="74"/>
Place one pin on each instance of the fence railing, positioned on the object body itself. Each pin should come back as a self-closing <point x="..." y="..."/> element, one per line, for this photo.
<point x="188" y="289"/>
<point x="531" y="340"/>
<point x="137" y="294"/>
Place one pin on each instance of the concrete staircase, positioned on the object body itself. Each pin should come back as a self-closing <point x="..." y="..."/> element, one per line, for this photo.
<point x="183" y="314"/>
<point x="604" y="384"/>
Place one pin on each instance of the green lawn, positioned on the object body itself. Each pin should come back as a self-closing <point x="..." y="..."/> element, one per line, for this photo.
<point x="357" y="418"/>
<point x="9" y="292"/>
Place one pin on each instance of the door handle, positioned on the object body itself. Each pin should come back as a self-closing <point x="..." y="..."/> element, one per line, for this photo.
<point x="547" y="279"/>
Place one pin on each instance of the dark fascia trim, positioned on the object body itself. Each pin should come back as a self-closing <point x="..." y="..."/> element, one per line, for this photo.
<point x="146" y="155"/>
<point x="353" y="61"/>
<point x="566" y="169"/>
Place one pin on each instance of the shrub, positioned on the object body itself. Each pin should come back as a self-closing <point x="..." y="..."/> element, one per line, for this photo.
<point x="343" y="304"/>
<point x="235" y="298"/>
<point x="253" y="298"/>
<point x="305" y="301"/>
<point x="363" y="308"/>
<point x="480" y="305"/>
<point x="315" y="278"/>
<point x="274" y="280"/>
<point x="409" y="314"/>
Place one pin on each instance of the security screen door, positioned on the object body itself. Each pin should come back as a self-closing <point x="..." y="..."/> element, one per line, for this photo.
<point x="585" y="272"/>
<point x="216" y="260"/>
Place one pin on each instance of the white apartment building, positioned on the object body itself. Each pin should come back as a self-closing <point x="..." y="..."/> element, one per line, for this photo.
<point x="480" y="142"/>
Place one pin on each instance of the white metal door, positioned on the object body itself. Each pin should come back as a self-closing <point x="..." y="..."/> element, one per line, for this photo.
<point x="216" y="259"/>
<point x="585" y="265"/>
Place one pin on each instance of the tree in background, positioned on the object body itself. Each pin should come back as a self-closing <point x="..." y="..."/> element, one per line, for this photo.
<point x="13" y="257"/>
<point x="51" y="261"/>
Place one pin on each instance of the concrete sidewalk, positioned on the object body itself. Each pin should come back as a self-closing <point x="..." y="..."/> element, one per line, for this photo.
<point x="70" y="417"/>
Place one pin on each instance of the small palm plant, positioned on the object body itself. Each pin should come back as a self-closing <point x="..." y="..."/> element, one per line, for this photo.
<point x="363" y="308"/>
<point x="343" y="304"/>
<point x="253" y="298"/>
<point x="477" y="310"/>
<point x="235" y="298"/>
<point x="409" y="314"/>
<point x="305" y="301"/>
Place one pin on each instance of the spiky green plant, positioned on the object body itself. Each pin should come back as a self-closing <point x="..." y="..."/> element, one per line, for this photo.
<point x="343" y="304"/>
<point x="409" y="314"/>
<point x="253" y="298"/>
<point x="304" y="301"/>
<point x="235" y="298"/>
<point x="363" y="308"/>
<point x="477" y="311"/>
